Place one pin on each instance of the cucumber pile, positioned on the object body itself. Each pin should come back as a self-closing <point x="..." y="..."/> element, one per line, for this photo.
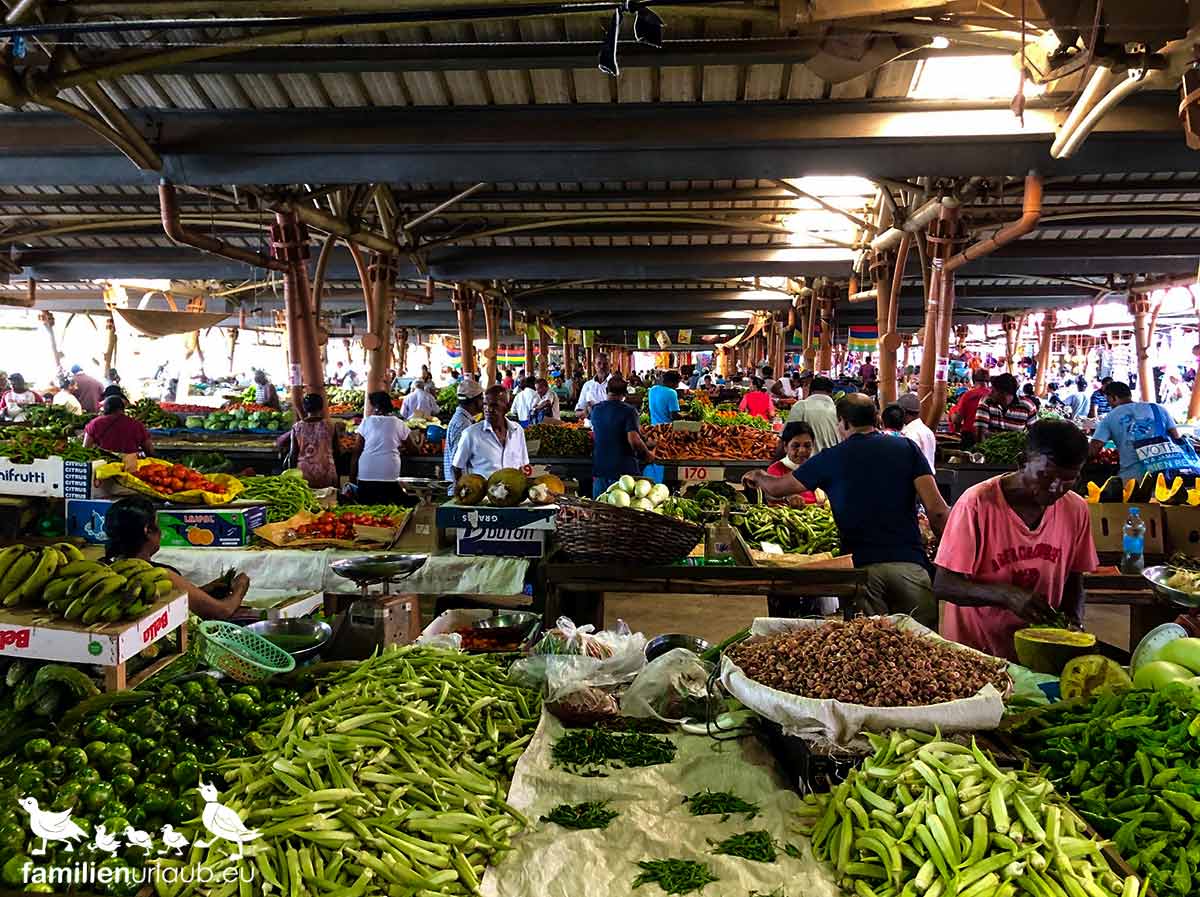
<point x="79" y="590"/>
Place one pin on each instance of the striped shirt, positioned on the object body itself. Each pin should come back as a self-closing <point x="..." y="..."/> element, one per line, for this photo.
<point x="992" y="417"/>
<point x="454" y="430"/>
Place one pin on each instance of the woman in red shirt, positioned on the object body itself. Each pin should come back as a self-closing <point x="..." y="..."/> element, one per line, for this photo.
<point x="757" y="401"/>
<point x="114" y="431"/>
<point x="795" y="447"/>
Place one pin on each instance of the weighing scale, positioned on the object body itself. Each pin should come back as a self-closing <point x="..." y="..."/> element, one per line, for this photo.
<point x="378" y="570"/>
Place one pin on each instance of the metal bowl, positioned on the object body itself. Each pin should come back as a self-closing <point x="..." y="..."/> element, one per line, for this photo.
<point x="318" y="631"/>
<point x="660" y="645"/>
<point x="377" y="567"/>
<point x="1158" y="576"/>
<point x="509" y="625"/>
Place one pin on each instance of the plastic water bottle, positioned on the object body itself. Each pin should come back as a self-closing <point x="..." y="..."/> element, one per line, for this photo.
<point x="1133" y="543"/>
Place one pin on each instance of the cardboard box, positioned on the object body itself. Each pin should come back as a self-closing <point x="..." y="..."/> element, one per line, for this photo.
<point x="420" y="533"/>
<point x="43" y="477"/>
<point x="1109" y="518"/>
<point x="207" y="527"/>
<point x="85" y="518"/>
<point x="369" y="625"/>
<point x="1182" y="526"/>
<point x="456" y="516"/>
<point x="494" y="542"/>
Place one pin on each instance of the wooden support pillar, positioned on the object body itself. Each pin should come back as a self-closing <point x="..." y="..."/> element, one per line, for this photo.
<point x="289" y="244"/>
<point x="401" y="350"/>
<point x="381" y="320"/>
<point x="1049" y="322"/>
<point x="543" y="350"/>
<point x="526" y="343"/>
<point x="1012" y="339"/>
<point x="464" y="306"/>
<point x="1143" y="333"/>
<point x="1194" y="403"/>
<point x="232" y="337"/>
<point x="810" y="329"/>
<point x="906" y="341"/>
<point x="47" y="321"/>
<point x="961" y="332"/>
<point x="110" y="343"/>
<point x="828" y="294"/>
<point x="491" y="321"/>
<point x="944" y="237"/>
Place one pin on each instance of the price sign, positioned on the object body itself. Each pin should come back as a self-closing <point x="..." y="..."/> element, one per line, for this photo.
<point x="941" y="369"/>
<point x="702" y="474"/>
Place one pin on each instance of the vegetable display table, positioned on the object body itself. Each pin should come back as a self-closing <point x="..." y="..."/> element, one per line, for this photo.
<point x="30" y="633"/>
<point x="580" y="469"/>
<point x="578" y="590"/>
<point x="1146" y="609"/>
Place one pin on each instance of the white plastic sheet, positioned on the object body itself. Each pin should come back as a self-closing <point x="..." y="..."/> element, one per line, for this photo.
<point x="550" y="861"/>
<point x="835" y="722"/>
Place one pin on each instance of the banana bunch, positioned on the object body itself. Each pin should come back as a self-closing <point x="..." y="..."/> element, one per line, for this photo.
<point x="78" y="589"/>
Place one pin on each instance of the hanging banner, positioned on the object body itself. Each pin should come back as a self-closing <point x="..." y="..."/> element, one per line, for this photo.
<point x="663" y="339"/>
<point x="560" y="334"/>
<point x="532" y="331"/>
<point x="589" y="338"/>
<point x="685" y="337"/>
<point x="863" y="338"/>
<point x="643" y="341"/>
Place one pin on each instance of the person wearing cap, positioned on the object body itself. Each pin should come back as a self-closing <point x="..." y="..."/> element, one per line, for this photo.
<point x="492" y="444"/>
<point x="18" y="396"/>
<point x="618" y="444"/>
<point x="313" y="444"/>
<point x="1003" y="410"/>
<point x="470" y="405"/>
<point x="88" y="389"/>
<point x="915" y="428"/>
<point x="962" y="415"/>
<point x="66" y="395"/>
<point x="819" y="412"/>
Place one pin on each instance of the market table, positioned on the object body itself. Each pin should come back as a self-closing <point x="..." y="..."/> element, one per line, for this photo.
<point x="308" y="569"/>
<point x="577" y="590"/>
<point x="580" y="469"/>
<point x="257" y="452"/>
<point x="1146" y="609"/>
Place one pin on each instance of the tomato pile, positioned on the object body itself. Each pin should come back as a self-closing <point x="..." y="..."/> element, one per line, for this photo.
<point x="327" y="526"/>
<point x="367" y="520"/>
<point x="172" y="478"/>
<point x="249" y="407"/>
<point x="180" y="408"/>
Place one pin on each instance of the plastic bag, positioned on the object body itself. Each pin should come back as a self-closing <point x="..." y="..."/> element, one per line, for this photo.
<point x="557" y="675"/>
<point x="671" y="688"/>
<point x="451" y="641"/>
<point x="584" y="707"/>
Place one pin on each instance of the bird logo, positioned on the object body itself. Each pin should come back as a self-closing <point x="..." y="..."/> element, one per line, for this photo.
<point x="106" y="841"/>
<point x="222" y="822"/>
<point x="173" y="841"/>
<point x="51" y="826"/>
<point x="138" y="838"/>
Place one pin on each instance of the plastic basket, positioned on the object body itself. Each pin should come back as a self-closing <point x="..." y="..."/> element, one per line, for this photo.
<point x="241" y="654"/>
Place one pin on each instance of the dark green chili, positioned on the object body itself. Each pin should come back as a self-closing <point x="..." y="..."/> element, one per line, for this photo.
<point x="591" y="814"/>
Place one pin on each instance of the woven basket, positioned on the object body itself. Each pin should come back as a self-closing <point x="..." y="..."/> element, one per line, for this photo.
<point x="242" y="655"/>
<point x="595" y="533"/>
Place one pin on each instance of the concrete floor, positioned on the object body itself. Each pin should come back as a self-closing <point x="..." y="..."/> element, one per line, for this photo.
<point x="714" y="617"/>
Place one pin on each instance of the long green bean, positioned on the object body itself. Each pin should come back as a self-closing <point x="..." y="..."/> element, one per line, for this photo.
<point x="674" y="876"/>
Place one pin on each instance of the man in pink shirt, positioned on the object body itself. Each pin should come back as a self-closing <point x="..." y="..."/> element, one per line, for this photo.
<point x="1015" y="545"/>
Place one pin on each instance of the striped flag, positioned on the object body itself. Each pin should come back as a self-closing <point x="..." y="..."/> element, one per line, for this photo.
<point x="864" y="338"/>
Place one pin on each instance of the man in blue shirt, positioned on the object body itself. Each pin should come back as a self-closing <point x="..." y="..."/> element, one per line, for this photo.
<point x="617" y="444"/>
<point x="663" y="402"/>
<point x="1144" y="433"/>
<point x="874" y="482"/>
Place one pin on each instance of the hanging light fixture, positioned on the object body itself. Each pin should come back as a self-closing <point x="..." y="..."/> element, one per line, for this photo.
<point x="648" y="27"/>
<point x="608" y="47"/>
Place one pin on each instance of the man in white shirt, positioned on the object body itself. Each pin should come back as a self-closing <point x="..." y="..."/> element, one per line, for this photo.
<point x="820" y="413"/>
<point x="494" y="442"/>
<point x="595" y="390"/>
<point x="524" y="400"/>
<point x="419" y="402"/>
<point x="66" y="395"/>
<point x="915" y="428"/>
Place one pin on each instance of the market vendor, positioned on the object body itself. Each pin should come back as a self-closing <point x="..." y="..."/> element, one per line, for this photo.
<point x="377" y="446"/>
<point x="757" y="402"/>
<point x="313" y="444"/>
<point x="1144" y="433"/>
<point x="1016" y="545"/>
<point x="420" y="401"/>
<point x="493" y="443"/>
<point x="962" y="415"/>
<point x="1003" y="410"/>
<point x="18" y="397"/>
<point x="545" y="403"/>
<point x="593" y="391"/>
<point x="470" y="405"/>
<point x="819" y="412"/>
<point x="67" y="395"/>
<point x="131" y="526"/>
<point x="618" y="446"/>
<point x="115" y="431"/>
<point x="874" y="482"/>
<point x="265" y="393"/>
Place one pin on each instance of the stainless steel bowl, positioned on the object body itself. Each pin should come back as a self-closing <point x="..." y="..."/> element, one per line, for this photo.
<point x="376" y="567"/>
<point x="509" y="625"/>
<point x="1158" y="576"/>
<point x="318" y="631"/>
<point x="660" y="645"/>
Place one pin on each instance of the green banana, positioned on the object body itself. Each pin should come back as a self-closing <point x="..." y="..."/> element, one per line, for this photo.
<point x="130" y="566"/>
<point x="69" y="551"/>
<point x="112" y="613"/>
<point x="85" y="582"/>
<point x="47" y="564"/>
<point x="75" y="610"/>
<point x="145" y="582"/>
<point x="56" y="589"/>
<point x="15" y="577"/>
<point x="163" y="588"/>
<point x="103" y="589"/>
<point x="8" y="557"/>
<point x="135" y="610"/>
<point x="96" y="611"/>
<point x="81" y="568"/>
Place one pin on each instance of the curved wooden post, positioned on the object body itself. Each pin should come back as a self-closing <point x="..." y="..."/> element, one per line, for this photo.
<point x="491" y="322"/>
<point x="464" y="305"/>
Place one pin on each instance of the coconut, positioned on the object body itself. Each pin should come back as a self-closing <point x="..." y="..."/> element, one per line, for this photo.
<point x="507" y="487"/>
<point x="470" y="489"/>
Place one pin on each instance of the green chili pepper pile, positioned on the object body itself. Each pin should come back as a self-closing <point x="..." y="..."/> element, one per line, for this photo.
<point x="285" y="495"/>
<point x="560" y="442"/>
<point x="1131" y="763"/>
<point x="930" y="817"/>
<point x="674" y="876"/>
<point x="807" y="530"/>
<point x="150" y="414"/>
<point x="1003" y="448"/>
<point x="388" y="779"/>
<point x="587" y="751"/>
<point x="757" y="845"/>
<point x="57" y="416"/>
<point x="25" y="445"/>
<point x="591" y="814"/>
<point x="726" y="803"/>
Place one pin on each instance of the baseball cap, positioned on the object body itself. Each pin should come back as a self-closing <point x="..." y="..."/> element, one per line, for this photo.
<point x="910" y="402"/>
<point x="76" y="369"/>
<point x="469" y="389"/>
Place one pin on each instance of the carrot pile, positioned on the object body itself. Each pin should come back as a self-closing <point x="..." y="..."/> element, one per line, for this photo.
<point x="712" y="443"/>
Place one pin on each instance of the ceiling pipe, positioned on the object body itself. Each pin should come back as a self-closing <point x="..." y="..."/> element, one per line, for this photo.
<point x="21" y="10"/>
<point x="1135" y="81"/>
<point x="177" y="233"/>
<point x="864" y="295"/>
<point x="1031" y="213"/>
<point x="923" y="215"/>
<point x="1099" y="84"/>
<point x="441" y="207"/>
